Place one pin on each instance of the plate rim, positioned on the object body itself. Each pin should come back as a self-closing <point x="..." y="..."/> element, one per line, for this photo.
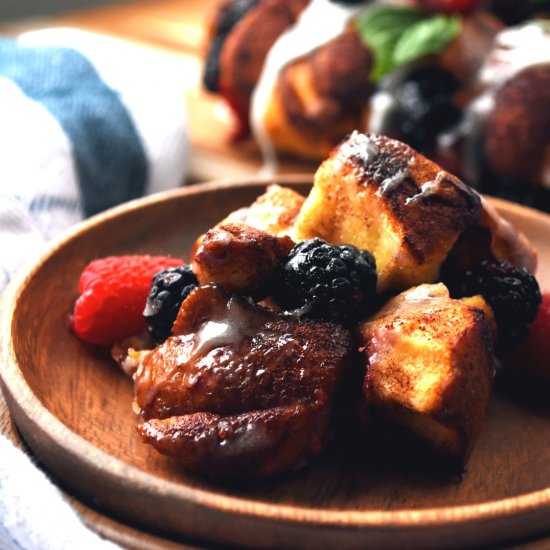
<point x="22" y="401"/>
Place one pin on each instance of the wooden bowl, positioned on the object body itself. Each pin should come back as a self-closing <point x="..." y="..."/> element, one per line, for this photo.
<point x="73" y="407"/>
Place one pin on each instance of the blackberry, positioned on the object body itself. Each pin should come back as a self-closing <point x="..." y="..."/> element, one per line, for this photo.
<point x="168" y="290"/>
<point x="513" y="294"/>
<point x="423" y="107"/>
<point x="230" y="14"/>
<point x="328" y="282"/>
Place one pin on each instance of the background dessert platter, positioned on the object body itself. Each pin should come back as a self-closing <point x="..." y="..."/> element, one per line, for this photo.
<point x="72" y="406"/>
<point x="463" y="82"/>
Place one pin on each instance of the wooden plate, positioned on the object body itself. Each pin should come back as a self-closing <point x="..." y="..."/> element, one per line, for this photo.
<point x="73" y="406"/>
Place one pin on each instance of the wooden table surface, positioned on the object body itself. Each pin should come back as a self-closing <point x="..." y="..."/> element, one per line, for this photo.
<point x="177" y="28"/>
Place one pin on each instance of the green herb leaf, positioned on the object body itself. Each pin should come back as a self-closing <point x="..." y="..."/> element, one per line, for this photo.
<point x="426" y="37"/>
<point x="380" y="29"/>
<point x="397" y="35"/>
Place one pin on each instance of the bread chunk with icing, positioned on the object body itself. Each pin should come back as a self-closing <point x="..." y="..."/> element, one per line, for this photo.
<point x="429" y="366"/>
<point x="379" y="194"/>
<point x="516" y="134"/>
<point x="239" y="258"/>
<point x="320" y="98"/>
<point x="239" y="389"/>
<point x="247" y="45"/>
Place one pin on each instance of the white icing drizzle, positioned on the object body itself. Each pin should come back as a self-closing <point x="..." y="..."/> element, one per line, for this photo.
<point x="230" y="330"/>
<point x="381" y="104"/>
<point x="320" y="22"/>
<point x="361" y="146"/>
<point x="389" y="185"/>
<point x="515" y="49"/>
<point x="432" y="187"/>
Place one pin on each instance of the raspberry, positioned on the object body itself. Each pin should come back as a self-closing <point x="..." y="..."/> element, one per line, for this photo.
<point x="113" y="292"/>
<point x="168" y="290"/>
<point x="532" y="355"/>
<point x="328" y="282"/>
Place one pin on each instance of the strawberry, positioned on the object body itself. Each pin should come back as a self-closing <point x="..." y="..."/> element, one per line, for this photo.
<point x="449" y="6"/>
<point x="113" y="292"/>
<point x="533" y="355"/>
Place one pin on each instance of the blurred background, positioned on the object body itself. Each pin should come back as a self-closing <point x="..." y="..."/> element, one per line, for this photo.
<point x="17" y="9"/>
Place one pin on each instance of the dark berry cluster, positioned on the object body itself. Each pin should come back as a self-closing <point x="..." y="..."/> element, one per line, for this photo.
<point x="423" y="107"/>
<point x="513" y="294"/>
<point x="229" y="16"/>
<point x="168" y="290"/>
<point x="329" y="282"/>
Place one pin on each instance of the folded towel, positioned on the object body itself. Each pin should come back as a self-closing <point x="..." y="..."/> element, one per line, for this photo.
<point x="33" y="513"/>
<point x="88" y="122"/>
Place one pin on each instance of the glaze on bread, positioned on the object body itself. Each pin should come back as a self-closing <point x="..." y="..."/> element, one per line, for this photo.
<point x="379" y="194"/>
<point x="429" y="366"/>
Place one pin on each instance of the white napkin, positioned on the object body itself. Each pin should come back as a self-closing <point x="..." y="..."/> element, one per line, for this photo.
<point x="86" y="122"/>
<point x="33" y="513"/>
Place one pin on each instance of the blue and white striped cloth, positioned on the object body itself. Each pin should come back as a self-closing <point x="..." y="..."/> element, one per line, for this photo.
<point x="86" y="122"/>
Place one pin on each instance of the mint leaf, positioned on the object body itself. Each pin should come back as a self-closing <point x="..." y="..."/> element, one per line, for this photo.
<point x="426" y="37"/>
<point x="380" y="29"/>
<point x="398" y="35"/>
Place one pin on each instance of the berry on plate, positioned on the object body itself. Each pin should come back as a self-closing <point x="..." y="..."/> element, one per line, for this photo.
<point x="513" y="294"/>
<point x="168" y="290"/>
<point x="328" y="282"/>
<point x="113" y="292"/>
<point x="533" y="355"/>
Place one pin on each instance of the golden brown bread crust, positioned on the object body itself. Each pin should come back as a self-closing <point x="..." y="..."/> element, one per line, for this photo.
<point x="239" y="258"/>
<point x="213" y="444"/>
<point x="430" y="366"/>
<point x="253" y="398"/>
<point x="379" y="194"/>
<point x="320" y="98"/>
<point x="247" y="45"/>
<point x="274" y="211"/>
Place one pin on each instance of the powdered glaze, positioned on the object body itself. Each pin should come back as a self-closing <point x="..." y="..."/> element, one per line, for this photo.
<point x="381" y="104"/>
<point x="236" y="326"/>
<point x="361" y="147"/>
<point x="514" y="50"/>
<point x="428" y="188"/>
<point x="320" y="22"/>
